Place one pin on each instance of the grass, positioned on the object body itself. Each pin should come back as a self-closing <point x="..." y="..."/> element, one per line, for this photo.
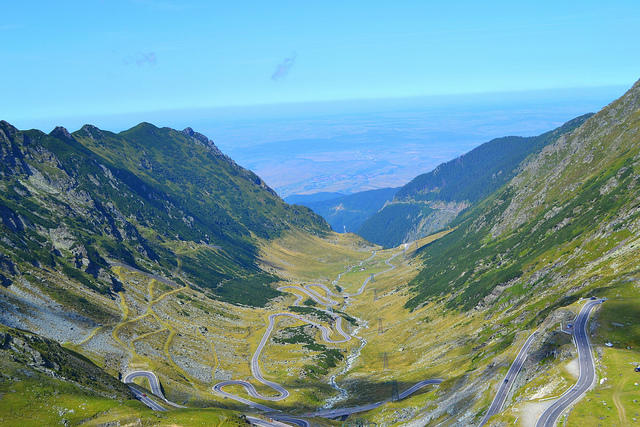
<point x="160" y="324"/>
<point x="303" y="257"/>
<point x="45" y="401"/>
<point x="431" y="341"/>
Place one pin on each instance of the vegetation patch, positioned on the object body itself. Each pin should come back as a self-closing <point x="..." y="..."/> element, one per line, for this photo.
<point x="326" y="359"/>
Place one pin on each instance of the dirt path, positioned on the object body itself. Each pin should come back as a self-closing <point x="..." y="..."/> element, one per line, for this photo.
<point x="622" y="415"/>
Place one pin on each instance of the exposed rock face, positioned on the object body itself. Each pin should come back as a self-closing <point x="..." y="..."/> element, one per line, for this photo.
<point x="61" y="132"/>
<point x="74" y="204"/>
<point x="540" y="184"/>
<point x="41" y="355"/>
<point x="203" y="140"/>
<point x="578" y="193"/>
<point x="92" y="131"/>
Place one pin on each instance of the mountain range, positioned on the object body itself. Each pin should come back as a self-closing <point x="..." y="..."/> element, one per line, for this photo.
<point x="153" y="198"/>
<point x="429" y="202"/>
<point x="151" y="251"/>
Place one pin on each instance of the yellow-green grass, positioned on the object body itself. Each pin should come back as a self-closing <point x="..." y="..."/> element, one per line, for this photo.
<point x="401" y="327"/>
<point x="616" y="401"/>
<point x="429" y="342"/>
<point x="351" y="281"/>
<point x="154" y="313"/>
<point x="304" y="257"/>
<point x="42" y="400"/>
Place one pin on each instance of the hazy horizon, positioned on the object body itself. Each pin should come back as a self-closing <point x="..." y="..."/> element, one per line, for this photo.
<point x="357" y="145"/>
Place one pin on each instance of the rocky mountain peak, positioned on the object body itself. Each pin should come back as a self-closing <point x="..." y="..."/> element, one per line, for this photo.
<point x="92" y="131"/>
<point x="188" y="131"/>
<point x="6" y="130"/>
<point x="197" y="136"/>
<point x="61" y="132"/>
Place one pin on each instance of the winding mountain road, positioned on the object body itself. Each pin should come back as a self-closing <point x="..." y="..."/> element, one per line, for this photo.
<point x="283" y="393"/>
<point x="505" y="386"/>
<point x="587" y="369"/>
<point x="154" y="383"/>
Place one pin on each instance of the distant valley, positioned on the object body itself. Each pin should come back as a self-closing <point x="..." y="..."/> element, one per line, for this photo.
<point x="354" y="146"/>
<point x="345" y="213"/>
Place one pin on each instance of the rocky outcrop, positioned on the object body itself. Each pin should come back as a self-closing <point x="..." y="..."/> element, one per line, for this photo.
<point x="206" y="142"/>
<point x="47" y="357"/>
<point x="61" y="132"/>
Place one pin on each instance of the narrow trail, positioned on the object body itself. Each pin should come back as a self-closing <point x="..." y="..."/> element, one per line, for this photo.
<point x="622" y="415"/>
<point x="149" y="312"/>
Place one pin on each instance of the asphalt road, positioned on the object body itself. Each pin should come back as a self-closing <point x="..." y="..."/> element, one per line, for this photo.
<point x="283" y="393"/>
<point x="505" y="386"/>
<point x="277" y="422"/>
<point x="155" y="389"/>
<point x="587" y="369"/>
<point x="146" y="400"/>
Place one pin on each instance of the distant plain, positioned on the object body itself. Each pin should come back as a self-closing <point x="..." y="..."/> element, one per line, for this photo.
<point x="356" y="145"/>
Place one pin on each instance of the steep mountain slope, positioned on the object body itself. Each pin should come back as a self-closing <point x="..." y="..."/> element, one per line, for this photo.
<point x="515" y="268"/>
<point x="155" y="199"/>
<point x="565" y="226"/>
<point x="432" y="200"/>
<point x="121" y="246"/>
<point x="569" y="211"/>
<point x="347" y="213"/>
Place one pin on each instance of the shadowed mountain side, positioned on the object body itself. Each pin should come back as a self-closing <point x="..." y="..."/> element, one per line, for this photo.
<point x="431" y="201"/>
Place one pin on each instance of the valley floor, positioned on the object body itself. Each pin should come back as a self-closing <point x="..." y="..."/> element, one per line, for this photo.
<point x="378" y="350"/>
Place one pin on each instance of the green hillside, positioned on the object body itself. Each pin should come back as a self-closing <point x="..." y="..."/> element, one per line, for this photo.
<point x="391" y="225"/>
<point x="557" y="225"/>
<point x="159" y="200"/>
<point x="440" y="195"/>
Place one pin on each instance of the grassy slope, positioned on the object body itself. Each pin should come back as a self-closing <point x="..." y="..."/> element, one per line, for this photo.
<point x="555" y="210"/>
<point x="431" y="342"/>
<point x="469" y="349"/>
<point x="565" y="227"/>
<point x="43" y="383"/>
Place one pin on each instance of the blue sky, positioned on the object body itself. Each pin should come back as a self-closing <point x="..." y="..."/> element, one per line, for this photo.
<point x="94" y="58"/>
